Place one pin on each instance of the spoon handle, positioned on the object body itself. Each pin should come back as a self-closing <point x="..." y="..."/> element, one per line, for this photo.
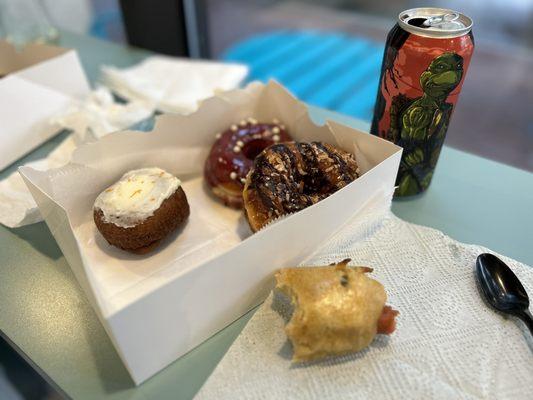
<point x="528" y="319"/>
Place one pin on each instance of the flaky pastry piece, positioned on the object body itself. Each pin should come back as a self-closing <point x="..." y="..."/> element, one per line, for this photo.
<point x="337" y="309"/>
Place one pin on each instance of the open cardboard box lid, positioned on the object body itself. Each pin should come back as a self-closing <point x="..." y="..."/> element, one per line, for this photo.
<point x="38" y="83"/>
<point x="159" y="306"/>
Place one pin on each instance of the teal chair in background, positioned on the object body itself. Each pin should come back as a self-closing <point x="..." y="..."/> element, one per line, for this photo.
<point x="330" y="70"/>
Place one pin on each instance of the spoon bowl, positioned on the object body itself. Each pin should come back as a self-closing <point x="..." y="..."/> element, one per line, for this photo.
<point x="502" y="289"/>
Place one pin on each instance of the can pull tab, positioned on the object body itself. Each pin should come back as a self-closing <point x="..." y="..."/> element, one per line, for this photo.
<point x="444" y="19"/>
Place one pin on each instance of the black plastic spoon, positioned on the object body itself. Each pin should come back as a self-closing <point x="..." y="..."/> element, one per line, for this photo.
<point x="502" y="289"/>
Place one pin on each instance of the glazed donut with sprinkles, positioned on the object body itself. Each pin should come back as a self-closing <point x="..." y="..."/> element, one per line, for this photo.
<point x="233" y="154"/>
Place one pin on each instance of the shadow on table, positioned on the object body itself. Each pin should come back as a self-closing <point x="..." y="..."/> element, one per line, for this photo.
<point x="18" y="379"/>
<point x="40" y="238"/>
<point x="113" y="375"/>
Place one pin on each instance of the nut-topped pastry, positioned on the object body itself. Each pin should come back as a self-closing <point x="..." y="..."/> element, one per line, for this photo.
<point x="338" y="309"/>
<point x="140" y="209"/>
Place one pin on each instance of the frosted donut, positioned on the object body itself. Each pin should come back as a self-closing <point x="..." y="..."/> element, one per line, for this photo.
<point x="289" y="177"/>
<point x="140" y="209"/>
<point x="233" y="153"/>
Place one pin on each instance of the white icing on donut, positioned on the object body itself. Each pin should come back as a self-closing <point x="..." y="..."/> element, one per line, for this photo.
<point x="136" y="196"/>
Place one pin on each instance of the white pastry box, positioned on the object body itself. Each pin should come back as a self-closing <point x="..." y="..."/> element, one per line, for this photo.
<point x="159" y="306"/>
<point x="38" y="83"/>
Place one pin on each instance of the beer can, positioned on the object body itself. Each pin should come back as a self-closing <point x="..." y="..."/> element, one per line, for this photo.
<point x="424" y="65"/>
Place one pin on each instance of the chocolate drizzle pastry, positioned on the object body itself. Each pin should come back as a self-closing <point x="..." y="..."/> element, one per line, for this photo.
<point x="289" y="177"/>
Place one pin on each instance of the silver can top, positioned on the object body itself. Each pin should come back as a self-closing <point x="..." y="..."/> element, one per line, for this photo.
<point x="435" y="22"/>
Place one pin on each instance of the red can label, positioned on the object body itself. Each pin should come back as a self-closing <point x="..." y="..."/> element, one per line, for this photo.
<point x="420" y="83"/>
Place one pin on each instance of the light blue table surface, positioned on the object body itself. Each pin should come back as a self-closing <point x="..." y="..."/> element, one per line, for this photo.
<point x="46" y="317"/>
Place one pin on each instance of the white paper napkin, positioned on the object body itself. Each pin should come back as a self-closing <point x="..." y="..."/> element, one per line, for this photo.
<point x="17" y="207"/>
<point x="173" y="84"/>
<point x="98" y="115"/>
<point x="448" y="344"/>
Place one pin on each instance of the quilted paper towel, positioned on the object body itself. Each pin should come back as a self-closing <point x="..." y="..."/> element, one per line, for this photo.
<point x="448" y="343"/>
